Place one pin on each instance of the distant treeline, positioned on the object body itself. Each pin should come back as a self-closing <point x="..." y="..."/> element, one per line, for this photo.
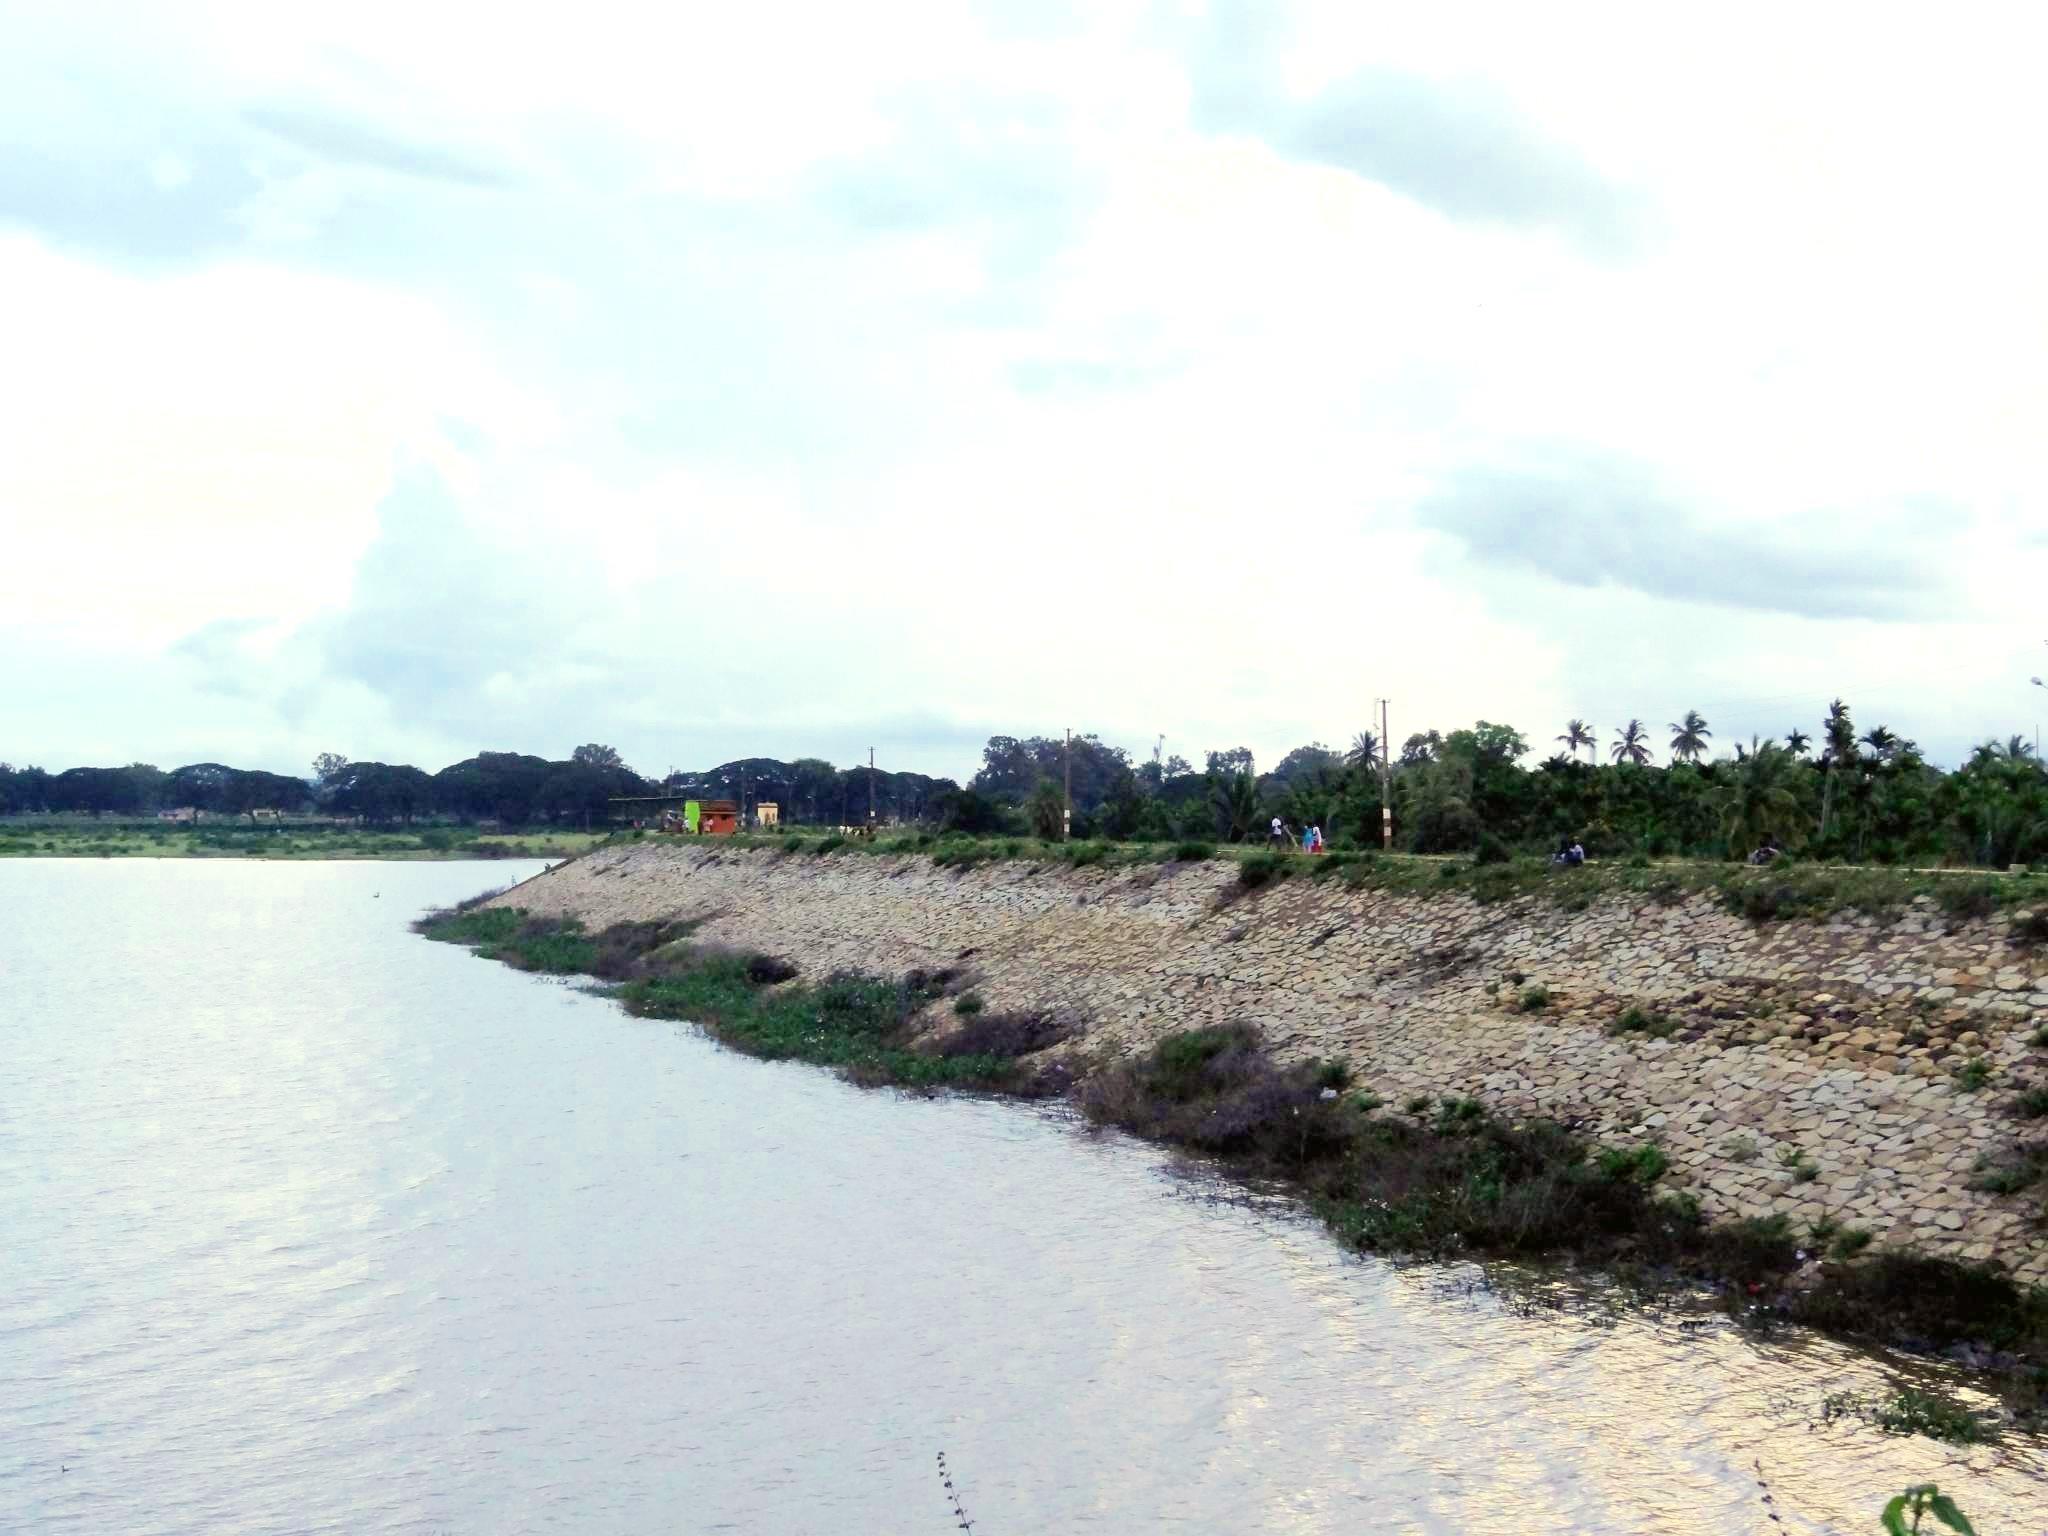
<point x="509" y="788"/>
<point x="1835" y="794"/>
<point x="1838" y="794"/>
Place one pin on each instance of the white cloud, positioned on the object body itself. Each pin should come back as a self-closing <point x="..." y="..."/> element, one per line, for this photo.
<point x="920" y="375"/>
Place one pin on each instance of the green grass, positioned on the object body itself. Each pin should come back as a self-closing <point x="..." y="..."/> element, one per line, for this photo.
<point x="40" y="838"/>
<point x="1637" y="1020"/>
<point x="860" y="1025"/>
<point x="1763" y="895"/>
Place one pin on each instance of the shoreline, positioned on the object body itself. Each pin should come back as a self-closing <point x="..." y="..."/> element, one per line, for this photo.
<point x="1432" y="1178"/>
<point x="287" y="843"/>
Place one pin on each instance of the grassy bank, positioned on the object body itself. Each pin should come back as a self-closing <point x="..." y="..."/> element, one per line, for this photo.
<point x="277" y="840"/>
<point x="1439" y="1178"/>
<point x="1786" y="890"/>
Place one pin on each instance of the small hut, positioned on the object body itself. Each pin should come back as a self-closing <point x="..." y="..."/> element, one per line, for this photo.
<point x="718" y="818"/>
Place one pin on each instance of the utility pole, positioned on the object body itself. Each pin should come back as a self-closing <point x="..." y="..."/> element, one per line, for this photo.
<point x="1067" y="792"/>
<point x="871" y="786"/>
<point x="1386" y="783"/>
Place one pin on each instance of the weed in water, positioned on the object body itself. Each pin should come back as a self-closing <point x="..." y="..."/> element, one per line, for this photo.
<point x="1910" y="1411"/>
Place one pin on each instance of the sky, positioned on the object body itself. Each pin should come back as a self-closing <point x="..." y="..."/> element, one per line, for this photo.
<point x="403" y="381"/>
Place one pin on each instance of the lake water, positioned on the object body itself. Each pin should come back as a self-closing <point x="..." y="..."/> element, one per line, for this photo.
<point x="307" y="1224"/>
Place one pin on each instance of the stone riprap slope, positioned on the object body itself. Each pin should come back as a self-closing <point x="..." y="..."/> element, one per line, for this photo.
<point x="1810" y="1068"/>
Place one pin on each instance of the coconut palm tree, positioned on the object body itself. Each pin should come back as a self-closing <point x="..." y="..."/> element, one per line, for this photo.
<point x="1235" y="799"/>
<point x="1884" y="746"/>
<point x="1631" y="744"/>
<point x="1577" y="735"/>
<point x="1763" y="801"/>
<point x="2017" y="749"/>
<point x="1365" y="751"/>
<point x="1798" y="743"/>
<point x="1689" y="737"/>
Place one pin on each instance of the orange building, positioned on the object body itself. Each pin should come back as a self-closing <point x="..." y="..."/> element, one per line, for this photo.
<point x="718" y="818"/>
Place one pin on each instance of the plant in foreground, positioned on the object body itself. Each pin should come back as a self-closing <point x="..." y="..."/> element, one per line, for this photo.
<point x="960" y="1520"/>
<point x="1902" y="1516"/>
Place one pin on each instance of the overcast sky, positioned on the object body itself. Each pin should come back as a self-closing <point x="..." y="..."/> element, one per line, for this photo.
<point x="725" y="379"/>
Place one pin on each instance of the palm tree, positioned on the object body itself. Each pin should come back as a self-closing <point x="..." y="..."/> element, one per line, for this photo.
<point x="1365" y="751"/>
<point x="1764" y="800"/>
<point x="1884" y="746"/>
<point x="1577" y="735"/>
<point x="1798" y="743"/>
<point x="1631" y="743"/>
<point x="1235" y="799"/>
<point x="1838" y="736"/>
<point x="2017" y="749"/>
<point x="1689" y="737"/>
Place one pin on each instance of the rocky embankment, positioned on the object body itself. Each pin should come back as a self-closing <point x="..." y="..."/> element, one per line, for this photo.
<point x="1860" y="1070"/>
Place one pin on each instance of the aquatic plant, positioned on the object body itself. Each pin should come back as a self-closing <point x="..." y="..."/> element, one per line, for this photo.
<point x="960" y="1520"/>
<point x="1907" y="1411"/>
<point x="1918" y="1502"/>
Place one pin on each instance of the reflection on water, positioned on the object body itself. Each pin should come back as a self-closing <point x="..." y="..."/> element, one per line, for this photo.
<point x="313" y="1226"/>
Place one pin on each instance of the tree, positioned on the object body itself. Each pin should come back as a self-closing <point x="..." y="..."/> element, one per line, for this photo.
<point x="1764" y="800"/>
<point x="1365" y="751"/>
<point x="1689" y="737"/>
<point x="1884" y="746"/>
<point x="327" y="768"/>
<point x="1798" y="743"/>
<point x="1422" y="747"/>
<point x="1838" y="746"/>
<point x="592" y="755"/>
<point x="1234" y="798"/>
<point x="1576" y="735"/>
<point x="1047" y="810"/>
<point x="382" y="792"/>
<point x="1236" y="760"/>
<point x="1631" y="744"/>
<point x="965" y="810"/>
